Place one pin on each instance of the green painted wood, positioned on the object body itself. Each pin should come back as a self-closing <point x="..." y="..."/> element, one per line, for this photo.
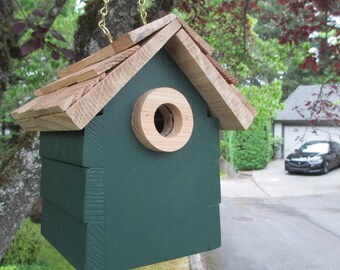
<point x="65" y="232"/>
<point x="81" y="244"/>
<point x="77" y="190"/>
<point x="159" y="206"/>
<point x="83" y="148"/>
<point x="94" y="195"/>
<point x="95" y="254"/>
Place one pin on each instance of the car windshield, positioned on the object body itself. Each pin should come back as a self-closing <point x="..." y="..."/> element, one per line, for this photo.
<point x="320" y="147"/>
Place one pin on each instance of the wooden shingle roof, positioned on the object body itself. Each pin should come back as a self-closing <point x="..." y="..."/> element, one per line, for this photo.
<point x="84" y="88"/>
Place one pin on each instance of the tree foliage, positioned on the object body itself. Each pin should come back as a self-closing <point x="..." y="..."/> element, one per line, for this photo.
<point x="31" y="70"/>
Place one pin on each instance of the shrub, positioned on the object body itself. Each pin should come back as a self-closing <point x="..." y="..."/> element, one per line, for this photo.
<point x="25" y="247"/>
<point x="250" y="150"/>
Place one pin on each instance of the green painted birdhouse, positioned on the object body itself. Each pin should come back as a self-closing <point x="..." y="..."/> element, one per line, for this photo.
<point x="130" y="148"/>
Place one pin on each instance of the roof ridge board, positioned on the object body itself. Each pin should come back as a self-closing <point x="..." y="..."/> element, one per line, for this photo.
<point x="91" y="103"/>
<point x="87" y="73"/>
<point x="139" y="34"/>
<point x="124" y="42"/>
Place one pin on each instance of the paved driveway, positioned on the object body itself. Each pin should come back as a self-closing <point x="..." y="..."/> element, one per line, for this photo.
<point x="278" y="221"/>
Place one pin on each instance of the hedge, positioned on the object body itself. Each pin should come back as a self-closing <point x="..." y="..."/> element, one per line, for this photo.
<point x="250" y="150"/>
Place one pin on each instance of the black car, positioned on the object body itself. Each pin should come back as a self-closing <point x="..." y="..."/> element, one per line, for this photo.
<point x="314" y="157"/>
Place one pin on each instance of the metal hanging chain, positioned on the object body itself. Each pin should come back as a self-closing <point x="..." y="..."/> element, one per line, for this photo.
<point x="143" y="13"/>
<point x="102" y="22"/>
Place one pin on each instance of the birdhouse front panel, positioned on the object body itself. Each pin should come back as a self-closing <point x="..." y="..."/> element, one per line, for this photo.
<point x="159" y="205"/>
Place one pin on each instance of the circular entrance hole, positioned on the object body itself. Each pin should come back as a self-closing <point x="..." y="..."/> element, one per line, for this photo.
<point x="164" y="120"/>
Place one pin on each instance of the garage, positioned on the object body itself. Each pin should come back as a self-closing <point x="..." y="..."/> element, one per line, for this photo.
<point x="295" y="136"/>
<point x="293" y="124"/>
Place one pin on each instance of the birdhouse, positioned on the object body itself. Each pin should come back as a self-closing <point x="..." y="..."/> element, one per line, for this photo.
<point x="130" y="148"/>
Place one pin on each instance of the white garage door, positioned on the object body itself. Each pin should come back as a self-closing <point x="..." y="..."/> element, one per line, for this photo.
<point x="295" y="136"/>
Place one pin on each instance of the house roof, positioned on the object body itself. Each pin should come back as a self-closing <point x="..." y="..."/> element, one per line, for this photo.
<point x="84" y="88"/>
<point x="297" y="104"/>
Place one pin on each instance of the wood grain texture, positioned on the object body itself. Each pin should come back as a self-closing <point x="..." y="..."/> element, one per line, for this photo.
<point x="58" y="121"/>
<point x="90" y="60"/>
<point x="95" y="253"/>
<point x="221" y="98"/>
<point x="225" y="74"/>
<point x="74" y="106"/>
<point x="244" y="101"/>
<point x="66" y="97"/>
<point x="91" y="103"/>
<point x="29" y="106"/>
<point x="137" y="35"/>
<point x="63" y="82"/>
<point x="101" y="67"/>
<point x="87" y="73"/>
<point x="94" y="147"/>
<point x="82" y="148"/>
<point x="179" y="112"/>
<point x="200" y="42"/>
<point x="55" y="102"/>
<point x="94" y="195"/>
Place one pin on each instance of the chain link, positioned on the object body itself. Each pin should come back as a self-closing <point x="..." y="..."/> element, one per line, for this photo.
<point x="143" y="13"/>
<point x="102" y="23"/>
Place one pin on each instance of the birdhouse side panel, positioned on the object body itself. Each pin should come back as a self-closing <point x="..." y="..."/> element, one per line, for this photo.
<point x="159" y="205"/>
<point x="72" y="187"/>
<point x="83" y="148"/>
<point x="65" y="232"/>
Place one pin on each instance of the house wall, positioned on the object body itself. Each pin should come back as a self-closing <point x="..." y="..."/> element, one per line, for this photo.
<point x="158" y="205"/>
<point x="278" y="133"/>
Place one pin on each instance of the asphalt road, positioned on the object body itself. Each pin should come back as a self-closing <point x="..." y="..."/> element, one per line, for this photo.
<point x="279" y="221"/>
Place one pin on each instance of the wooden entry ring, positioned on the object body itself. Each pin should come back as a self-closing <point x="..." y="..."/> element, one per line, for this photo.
<point x="178" y="120"/>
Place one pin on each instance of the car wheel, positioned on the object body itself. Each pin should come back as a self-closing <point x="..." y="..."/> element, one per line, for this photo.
<point x="326" y="167"/>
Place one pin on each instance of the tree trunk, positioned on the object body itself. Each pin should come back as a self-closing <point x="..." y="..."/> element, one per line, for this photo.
<point x="19" y="187"/>
<point x="20" y="177"/>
